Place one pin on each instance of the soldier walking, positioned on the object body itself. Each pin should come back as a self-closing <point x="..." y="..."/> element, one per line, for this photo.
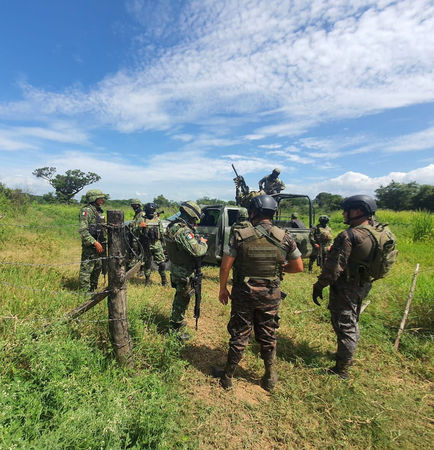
<point x="152" y="241"/>
<point x="347" y="270"/>
<point x="183" y="247"/>
<point x="321" y="239"/>
<point x="258" y="253"/>
<point x="93" y="240"/>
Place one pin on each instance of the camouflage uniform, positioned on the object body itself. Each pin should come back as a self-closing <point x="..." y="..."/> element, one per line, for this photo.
<point x="136" y="231"/>
<point x="152" y="236"/>
<point x="91" y="217"/>
<point x="271" y="184"/>
<point x="256" y="300"/>
<point x="183" y="248"/>
<point x="349" y="285"/>
<point x="322" y="236"/>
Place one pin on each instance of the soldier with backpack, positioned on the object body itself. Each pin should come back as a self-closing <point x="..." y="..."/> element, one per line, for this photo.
<point x="359" y="255"/>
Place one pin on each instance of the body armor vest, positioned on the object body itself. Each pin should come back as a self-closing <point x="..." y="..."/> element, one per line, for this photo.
<point x="261" y="254"/>
<point x="152" y="230"/>
<point x="361" y="254"/>
<point x="176" y="254"/>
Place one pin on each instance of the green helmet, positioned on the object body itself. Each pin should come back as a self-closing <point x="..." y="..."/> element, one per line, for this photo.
<point x="276" y="171"/>
<point x="191" y="209"/>
<point x="324" y="219"/>
<point x="135" y="201"/>
<point x="93" y="194"/>
<point x="294" y="216"/>
<point x="242" y="214"/>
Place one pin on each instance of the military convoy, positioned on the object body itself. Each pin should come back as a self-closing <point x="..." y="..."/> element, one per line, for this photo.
<point x="217" y="220"/>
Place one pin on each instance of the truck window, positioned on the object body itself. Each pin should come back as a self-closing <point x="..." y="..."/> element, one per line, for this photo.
<point x="209" y="218"/>
<point x="232" y="216"/>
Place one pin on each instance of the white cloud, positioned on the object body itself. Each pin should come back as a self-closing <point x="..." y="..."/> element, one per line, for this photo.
<point x="307" y="62"/>
<point x="270" y="146"/>
<point x="254" y="137"/>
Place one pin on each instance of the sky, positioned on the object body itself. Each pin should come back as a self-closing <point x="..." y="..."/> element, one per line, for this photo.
<point x="162" y="96"/>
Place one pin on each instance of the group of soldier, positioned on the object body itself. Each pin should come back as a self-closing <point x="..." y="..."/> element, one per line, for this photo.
<point x="259" y="254"/>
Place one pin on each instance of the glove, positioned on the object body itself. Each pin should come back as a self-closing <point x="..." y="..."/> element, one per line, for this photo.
<point x="316" y="292"/>
<point x="99" y="247"/>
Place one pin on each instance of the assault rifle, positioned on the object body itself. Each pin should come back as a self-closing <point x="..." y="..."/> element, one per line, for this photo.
<point x="196" y="284"/>
<point x="240" y="182"/>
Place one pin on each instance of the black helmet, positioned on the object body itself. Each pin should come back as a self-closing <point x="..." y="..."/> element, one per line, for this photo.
<point x="150" y="207"/>
<point x="264" y="205"/>
<point x="363" y="202"/>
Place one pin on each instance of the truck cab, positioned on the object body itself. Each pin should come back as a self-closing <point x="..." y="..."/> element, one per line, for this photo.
<point x="215" y="224"/>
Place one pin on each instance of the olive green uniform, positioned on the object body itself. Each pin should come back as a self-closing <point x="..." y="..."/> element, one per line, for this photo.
<point x="321" y="235"/>
<point x="135" y="245"/>
<point x="271" y="185"/>
<point x="259" y="253"/>
<point x="183" y="248"/>
<point x="152" y="235"/>
<point x="91" y="230"/>
<point x="349" y="284"/>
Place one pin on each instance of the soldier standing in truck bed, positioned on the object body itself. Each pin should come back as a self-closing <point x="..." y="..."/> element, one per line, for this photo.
<point x="271" y="184"/>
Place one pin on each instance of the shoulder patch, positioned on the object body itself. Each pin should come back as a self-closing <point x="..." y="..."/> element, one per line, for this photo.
<point x="84" y="213"/>
<point x="190" y="236"/>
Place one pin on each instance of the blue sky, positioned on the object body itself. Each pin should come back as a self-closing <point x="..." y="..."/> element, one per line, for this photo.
<point x="161" y="97"/>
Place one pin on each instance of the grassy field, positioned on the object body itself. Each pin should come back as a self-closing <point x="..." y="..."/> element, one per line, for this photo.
<point x="61" y="388"/>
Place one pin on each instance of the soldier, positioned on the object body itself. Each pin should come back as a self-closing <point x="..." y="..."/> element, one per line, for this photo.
<point x="271" y="184"/>
<point x="152" y="237"/>
<point x="296" y="222"/>
<point x="183" y="248"/>
<point x="258" y="253"/>
<point x="321" y="238"/>
<point x="92" y="240"/>
<point x="346" y="272"/>
<point x="136" y="227"/>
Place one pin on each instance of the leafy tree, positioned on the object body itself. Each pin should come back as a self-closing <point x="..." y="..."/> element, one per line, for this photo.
<point x="66" y="186"/>
<point x="424" y="199"/>
<point x="328" y="202"/>
<point x="162" y="202"/>
<point x="397" y="196"/>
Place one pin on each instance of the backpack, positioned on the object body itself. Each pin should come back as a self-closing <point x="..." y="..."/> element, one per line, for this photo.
<point x="384" y="252"/>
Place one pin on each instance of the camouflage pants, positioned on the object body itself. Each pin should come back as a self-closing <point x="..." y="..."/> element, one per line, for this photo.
<point x="155" y="253"/>
<point x="345" y="301"/>
<point x="254" y="307"/>
<point x="182" y="297"/>
<point x="89" y="270"/>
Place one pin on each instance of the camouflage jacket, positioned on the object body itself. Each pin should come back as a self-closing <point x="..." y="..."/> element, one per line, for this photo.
<point x="321" y="235"/>
<point x="338" y="259"/>
<point x="183" y="246"/>
<point x="89" y="228"/>
<point x="155" y="222"/>
<point x="139" y="217"/>
<point x="270" y="185"/>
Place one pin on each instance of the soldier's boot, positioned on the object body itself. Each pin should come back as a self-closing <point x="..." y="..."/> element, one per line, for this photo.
<point x="270" y="377"/>
<point x="341" y="368"/>
<point x="147" y="280"/>
<point x="177" y="328"/>
<point x="226" y="377"/>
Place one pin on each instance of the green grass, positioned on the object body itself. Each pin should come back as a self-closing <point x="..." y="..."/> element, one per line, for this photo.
<point x="61" y="387"/>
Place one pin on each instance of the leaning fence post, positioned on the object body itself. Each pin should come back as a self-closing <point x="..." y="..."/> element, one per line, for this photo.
<point x="407" y="307"/>
<point x="117" y="298"/>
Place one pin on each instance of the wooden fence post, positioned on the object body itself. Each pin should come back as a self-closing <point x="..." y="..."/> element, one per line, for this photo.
<point x="407" y="307"/>
<point x="117" y="297"/>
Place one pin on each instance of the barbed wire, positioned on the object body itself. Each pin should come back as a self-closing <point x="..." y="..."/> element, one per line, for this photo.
<point x="61" y="320"/>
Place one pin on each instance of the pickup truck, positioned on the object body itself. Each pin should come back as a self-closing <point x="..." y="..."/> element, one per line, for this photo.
<point x="217" y="220"/>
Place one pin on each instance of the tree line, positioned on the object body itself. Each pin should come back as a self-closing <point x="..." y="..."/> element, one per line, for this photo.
<point x="395" y="196"/>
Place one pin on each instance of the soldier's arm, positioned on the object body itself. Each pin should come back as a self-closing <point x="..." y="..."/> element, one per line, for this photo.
<point x="83" y="229"/>
<point x="294" y="263"/>
<point x="225" y="268"/>
<point x="337" y="260"/>
<point x="189" y="242"/>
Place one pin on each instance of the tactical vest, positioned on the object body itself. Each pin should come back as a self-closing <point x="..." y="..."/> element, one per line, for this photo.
<point x="177" y="255"/>
<point x="152" y="230"/>
<point x="376" y="254"/>
<point x="261" y="253"/>
<point x="96" y="230"/>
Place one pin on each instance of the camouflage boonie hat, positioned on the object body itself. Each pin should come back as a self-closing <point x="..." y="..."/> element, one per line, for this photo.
<point x="192" y="209"/>
<point x="93" y="194"/>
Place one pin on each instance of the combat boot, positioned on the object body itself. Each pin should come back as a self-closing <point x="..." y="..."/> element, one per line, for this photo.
<point x="226" y="375"/>
<point x="341" y="368"/>
<point x="147" y="280"/>
<point x="270" y="377"/>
